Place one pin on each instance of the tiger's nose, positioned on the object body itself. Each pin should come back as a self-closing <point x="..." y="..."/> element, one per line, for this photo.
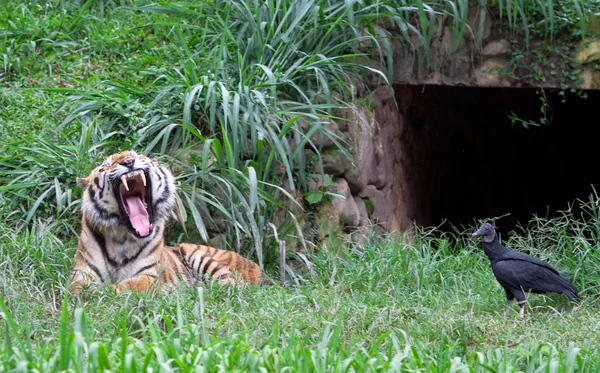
<point x="127" y="162"/>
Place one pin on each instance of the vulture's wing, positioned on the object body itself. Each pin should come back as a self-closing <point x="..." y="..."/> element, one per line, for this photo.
<point x="518" y="273"/>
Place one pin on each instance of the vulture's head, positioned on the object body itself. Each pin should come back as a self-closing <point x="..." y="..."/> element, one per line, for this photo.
<point x="486" y="231"/>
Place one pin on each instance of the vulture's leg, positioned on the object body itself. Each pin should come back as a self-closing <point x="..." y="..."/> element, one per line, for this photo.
<point x="520" y="295"/>
<point x="509" y="298"/>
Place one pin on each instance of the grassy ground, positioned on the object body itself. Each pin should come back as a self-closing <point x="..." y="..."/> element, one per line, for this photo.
<point x="431" y="305"/>
<point x="376" y="306"/>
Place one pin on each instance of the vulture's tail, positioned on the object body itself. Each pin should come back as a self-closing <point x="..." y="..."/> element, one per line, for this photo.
<point x="568" y="289"/>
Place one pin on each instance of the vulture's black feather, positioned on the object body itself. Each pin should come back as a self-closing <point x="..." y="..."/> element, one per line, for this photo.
<point x="519" y="273"/>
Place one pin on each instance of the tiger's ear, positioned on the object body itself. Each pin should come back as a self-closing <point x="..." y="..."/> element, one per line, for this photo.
<point x="83" y="182"/>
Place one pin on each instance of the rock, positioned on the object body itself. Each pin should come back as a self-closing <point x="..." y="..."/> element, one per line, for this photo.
<point x="591" y="78"/>
<point x="370" y="191"/>
<point x="218" y="241"/>
<point x="497" y="47"/>
<point x="346" y="208"/>
<point x="335" y="162"/>
<point x="280" y="168"/>
<point x="384" y="184"/>
<point x="283" y="217"/>
<point x="363" y="214"/>
<point x="327" y="221"/>
<point x="474" y="16"/>
<point x="376" y="201"/>
<point x="381" y="170"/>
<point x="322" y="138"/>
<point x="317" y="181"/>
<point x="456" y="60"/>
<point x="361" y="147"/>
<point x="456" y="68"/>
<point x="218" y="223"/>
<point x="449" y="44"/>
<point x="489" y="75"/>
<point x="338" y="216"/>
<point x="386" y="137"/>
<point x="588" y="52"/>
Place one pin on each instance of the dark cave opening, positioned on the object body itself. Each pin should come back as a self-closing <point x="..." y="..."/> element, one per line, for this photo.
<point x="466" y="161"/>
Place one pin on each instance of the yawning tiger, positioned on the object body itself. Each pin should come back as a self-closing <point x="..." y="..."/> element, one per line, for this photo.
<point x="127" y="202"/>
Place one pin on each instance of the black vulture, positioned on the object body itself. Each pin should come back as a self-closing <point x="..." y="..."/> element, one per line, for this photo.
<point x="519" y="273"/>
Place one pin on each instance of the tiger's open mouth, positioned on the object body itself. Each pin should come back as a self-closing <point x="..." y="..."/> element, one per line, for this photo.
<point x="135" y="197"/>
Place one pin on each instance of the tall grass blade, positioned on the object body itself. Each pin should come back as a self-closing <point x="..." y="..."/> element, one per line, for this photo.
<point x="65" y="345"/>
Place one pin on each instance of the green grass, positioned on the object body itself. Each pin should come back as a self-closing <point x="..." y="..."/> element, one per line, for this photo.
<point x="432" y="305"/>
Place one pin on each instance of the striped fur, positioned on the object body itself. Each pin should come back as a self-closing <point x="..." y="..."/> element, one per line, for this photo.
<point x="112" y="251"/>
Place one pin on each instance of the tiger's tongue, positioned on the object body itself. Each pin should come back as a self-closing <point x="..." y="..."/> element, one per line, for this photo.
<point x="138" y="216"/>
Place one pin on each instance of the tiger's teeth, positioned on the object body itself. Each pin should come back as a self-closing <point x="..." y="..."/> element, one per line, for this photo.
<point x="137" y="232"/>
<point x="143" y="178"/>
<point x="150" y="227"/>
<point x="124" y="182"/>
<point x="145" y="205"/>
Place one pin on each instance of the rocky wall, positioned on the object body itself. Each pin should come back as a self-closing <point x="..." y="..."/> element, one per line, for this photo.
<point x="502" y="59"/>
<point x="376" y="194"/>
<point x="384" y="187"/>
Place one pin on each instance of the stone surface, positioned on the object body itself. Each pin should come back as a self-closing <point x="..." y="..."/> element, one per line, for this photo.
<point x="385" y="136"/>
<point x="380" y="206"/>
<point x="338" y="216"/>
<point x="591" y="79"/>
<point x="218" y="241"/>
<point x="283" y="217"/>
<point x="358" y="132"/>
<point x="322" y="138"/>
<point x="327" y="221"/>
<point x="463" y="63"/>
<point x="317" y="181"/>
<point x="370" y="192"/>
<point x="346" y="208"/>
<point x="362" y="212"/>
<point x="589" y="52"/>
<point x="497" y="47"/>
<point x="335" y="162"/>
<point x="489" y="75"/>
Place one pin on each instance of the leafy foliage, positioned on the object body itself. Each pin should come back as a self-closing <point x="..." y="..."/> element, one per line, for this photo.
<point x="229" y="94"/>
<point x="549" y="18"/>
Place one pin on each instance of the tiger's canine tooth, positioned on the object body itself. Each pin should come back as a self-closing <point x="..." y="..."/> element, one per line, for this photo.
<point x="143" y="177"/>
<point x="124" y="182"/>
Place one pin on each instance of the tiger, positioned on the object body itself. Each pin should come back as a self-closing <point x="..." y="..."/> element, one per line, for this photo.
<point x="126" y="203"/>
